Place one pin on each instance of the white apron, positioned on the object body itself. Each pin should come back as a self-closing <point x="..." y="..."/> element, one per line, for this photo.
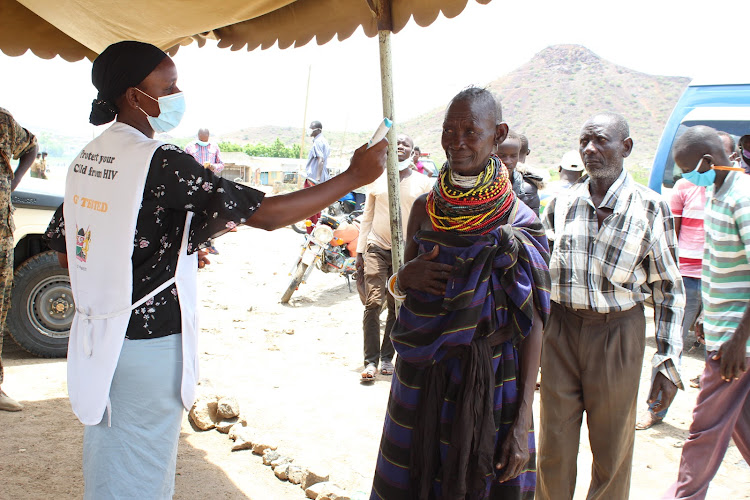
<point x="103" y="195"/>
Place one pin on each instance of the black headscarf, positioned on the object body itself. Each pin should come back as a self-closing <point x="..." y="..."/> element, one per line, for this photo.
<point x="122" y="65"/>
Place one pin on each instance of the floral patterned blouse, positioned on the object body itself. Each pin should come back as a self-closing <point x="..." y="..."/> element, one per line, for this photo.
<point x="176" y="184"/>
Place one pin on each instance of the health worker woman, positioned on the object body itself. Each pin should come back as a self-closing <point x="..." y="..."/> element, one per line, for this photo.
<point x="136" y="212"/>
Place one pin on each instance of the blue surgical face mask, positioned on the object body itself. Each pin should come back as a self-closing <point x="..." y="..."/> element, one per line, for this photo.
<point x="704" y="179"/>
<point x="202" y="143"/>
<point x="403" y="165"/>
<point x="171" y="109"/>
